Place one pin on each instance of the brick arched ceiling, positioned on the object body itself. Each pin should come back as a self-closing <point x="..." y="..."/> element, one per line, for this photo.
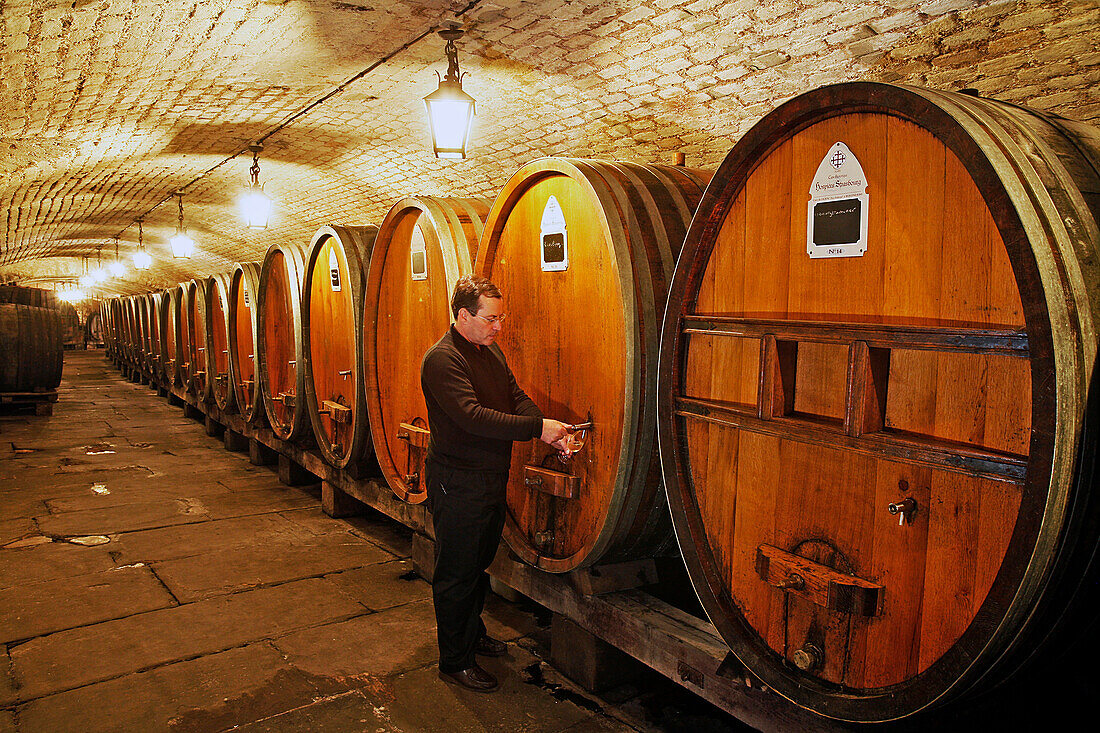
<point x="107" y="107"/>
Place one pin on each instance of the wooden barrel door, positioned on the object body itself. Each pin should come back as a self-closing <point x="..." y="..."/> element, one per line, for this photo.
<point x="868" y="423"/>
<point x="332" y="328"/>
<point x="424" y="245"/>
<point x="583" y="251"/>
<point x="280" y="342"/>
<point x="243" y="288"/>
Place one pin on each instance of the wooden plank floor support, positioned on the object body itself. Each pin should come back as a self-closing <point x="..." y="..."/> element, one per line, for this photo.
<point x="587" y="659"/>
<point x="338" y="504"/>
<point x="683" y="648"/>
<point x="234" y="441"/>
<point x="292" y="474"/>
<point x="259" y="454"/>
<point x="213" y="428"/>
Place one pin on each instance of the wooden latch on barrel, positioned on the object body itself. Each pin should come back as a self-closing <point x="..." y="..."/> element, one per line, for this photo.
<point x="551" y="482"/>
<point x="287" y="398"/>
<point x="221" y="377"/>
<point x="339" y="413"/>
<point x="817" y="583"/>
<point x="416" y="436"/>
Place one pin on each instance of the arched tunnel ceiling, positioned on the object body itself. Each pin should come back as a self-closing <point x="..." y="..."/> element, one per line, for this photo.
<point x="109" y="106"/>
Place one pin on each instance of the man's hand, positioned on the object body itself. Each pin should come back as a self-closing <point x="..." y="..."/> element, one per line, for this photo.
<point x="553" y="431"/>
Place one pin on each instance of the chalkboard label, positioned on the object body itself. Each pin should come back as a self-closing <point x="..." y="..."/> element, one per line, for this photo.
<point x="837" y="222"/>
<point x="553" y="241"/>
<point x="333" y="271"/>
<point x="836" y="216"/>
<point x="247" y="303"/>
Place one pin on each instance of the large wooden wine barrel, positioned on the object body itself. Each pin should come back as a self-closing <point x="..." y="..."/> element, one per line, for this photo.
<point x="332" y="342"/>
<point x="153" y="359"/>
<point x="424" y="245"/>
<point x="72" y="332"/>
<point x="217" y="336"/>
<point x="280" y="341"/>
<point x="133" y="339"/>
<point x="875" y="461"/>
<point x="197" y="372"/>
<point x="28" y="296"/>
<point x="172" y="350"/>
<point x="582" y="251"/>
<point x="31" y="349"/>
<point x="244" y="285"/>
<point x="95" y="330"/>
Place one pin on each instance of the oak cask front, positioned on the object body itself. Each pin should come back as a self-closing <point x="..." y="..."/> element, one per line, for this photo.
<point x="875" y="363"/>
<point x="583" y="251"/>
<point x="424" y="245"/>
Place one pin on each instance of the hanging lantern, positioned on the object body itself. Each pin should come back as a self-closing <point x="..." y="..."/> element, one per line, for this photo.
<point x="182" y="245"/>
<point x="142" y="260"/>
<point x="450" y="110"/>
<point x="256" y="206"/>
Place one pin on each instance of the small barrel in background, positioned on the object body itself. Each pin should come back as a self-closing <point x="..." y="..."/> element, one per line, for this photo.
<point x="217" y="337"/>
<point x="332" y="348"/>
<point x="583" y="251"/>
<point x="424" y="245"/>
<point x="280" y="341"/>
<point x="244" y="287"/>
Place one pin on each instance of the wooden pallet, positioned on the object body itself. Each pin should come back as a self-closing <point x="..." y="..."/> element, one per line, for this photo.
<point x="41" y="400"/>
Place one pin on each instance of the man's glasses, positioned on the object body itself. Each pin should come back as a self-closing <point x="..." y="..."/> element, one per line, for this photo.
<point x="491" y="319"/>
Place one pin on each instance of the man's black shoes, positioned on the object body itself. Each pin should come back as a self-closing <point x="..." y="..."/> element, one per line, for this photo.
<point x="475" y="678"/>
<point x="487" y="646"/>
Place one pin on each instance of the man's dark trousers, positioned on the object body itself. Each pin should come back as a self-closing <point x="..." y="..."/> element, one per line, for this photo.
<point x="468" y="511"/>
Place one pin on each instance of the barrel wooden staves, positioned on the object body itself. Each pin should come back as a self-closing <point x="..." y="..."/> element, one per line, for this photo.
<point x="31" y="348"/>
<point x="197" y="372"/>
<point x="582" y="251"/>
<point x="280" y="341"/>
<point x="877" y="462"/>
<point x="332" y="343"/>
<point x="244" y="285"/>
<point x="217" y="336"/>
<point x="424" y="245"/>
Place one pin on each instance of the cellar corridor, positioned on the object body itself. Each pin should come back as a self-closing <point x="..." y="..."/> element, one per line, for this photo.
<point x="152" y="580"/>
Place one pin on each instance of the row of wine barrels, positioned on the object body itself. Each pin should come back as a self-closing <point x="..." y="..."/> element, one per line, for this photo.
<point x="280" y="341"/>
<point x="31" y="349"/>
<point x="876" y="423"/>
<point x="244" y="286"/>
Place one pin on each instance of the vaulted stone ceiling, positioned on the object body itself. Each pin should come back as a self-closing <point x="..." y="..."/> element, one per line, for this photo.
<point x="107" y="107"/>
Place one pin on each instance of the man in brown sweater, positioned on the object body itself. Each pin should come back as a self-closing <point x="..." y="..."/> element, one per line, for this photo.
<point x="475" y="412"/>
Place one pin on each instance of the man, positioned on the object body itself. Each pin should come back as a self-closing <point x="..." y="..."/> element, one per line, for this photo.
<point x="475" y="411"/>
